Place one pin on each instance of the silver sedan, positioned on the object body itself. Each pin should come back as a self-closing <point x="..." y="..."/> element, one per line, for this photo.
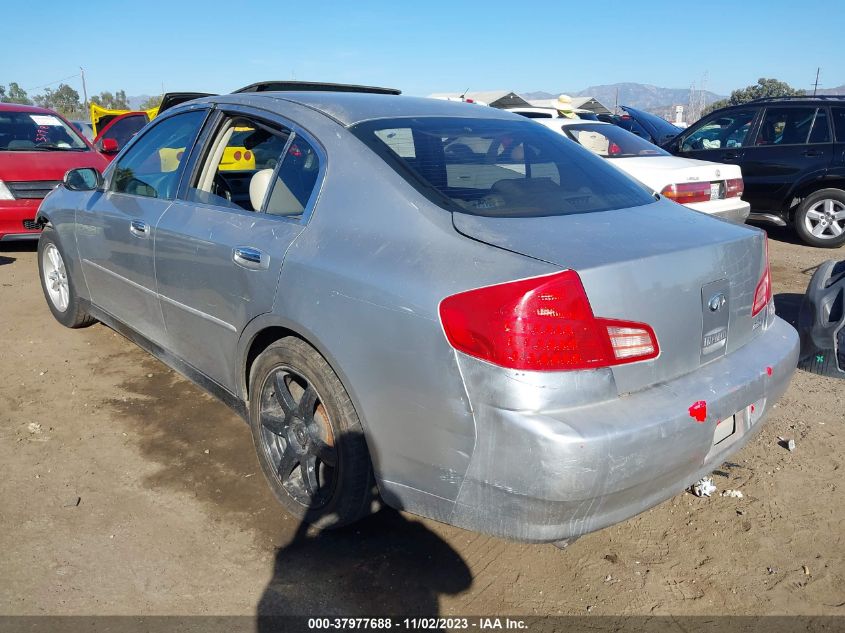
<point x="440" y="305"/>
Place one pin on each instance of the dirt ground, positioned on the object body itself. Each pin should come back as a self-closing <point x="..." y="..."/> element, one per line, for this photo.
<point x="127" y="490"/>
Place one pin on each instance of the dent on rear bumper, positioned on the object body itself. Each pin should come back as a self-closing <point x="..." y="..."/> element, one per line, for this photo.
<point x="569" y="466"/>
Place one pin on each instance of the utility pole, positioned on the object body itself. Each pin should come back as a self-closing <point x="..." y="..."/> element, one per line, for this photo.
<point x="84" y="89"/>
<point x="816" y="84"/>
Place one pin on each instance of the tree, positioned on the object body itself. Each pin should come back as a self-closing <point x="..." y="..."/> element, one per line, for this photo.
<point x="16" y="94"/>
<point x="150" y="102"/>
<point x="116" y="101"/>
<point x="64" y="100"/>
<point x="762" y="89"/>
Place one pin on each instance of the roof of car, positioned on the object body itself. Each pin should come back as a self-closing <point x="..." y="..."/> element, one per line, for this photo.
<point x="349" y="108"/>
<point x="17" y="107"/>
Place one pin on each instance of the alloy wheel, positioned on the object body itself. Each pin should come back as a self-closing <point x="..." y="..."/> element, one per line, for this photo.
<point x="825" y="219"/>
<point x="55" y="277"/>
<point x="297" y="437"/>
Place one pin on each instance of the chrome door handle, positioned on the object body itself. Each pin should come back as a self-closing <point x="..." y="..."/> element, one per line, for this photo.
<point x="249" y="257"/>
<point x="139" y="228"/>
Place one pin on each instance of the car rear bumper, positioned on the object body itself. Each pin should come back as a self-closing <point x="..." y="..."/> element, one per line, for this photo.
<point x="732" y="209"/>
<point x="13" y="214"/>
<point x="548" y="475"/>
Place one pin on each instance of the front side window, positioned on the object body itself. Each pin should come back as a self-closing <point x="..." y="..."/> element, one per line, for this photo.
<point x="611" y="141"/>
<point x="33" y="132"/>
<point x="153" y="165"/>
<point x="497" y="167"/>
<point x="724" y="131"/>
<point x="785" y="126"/>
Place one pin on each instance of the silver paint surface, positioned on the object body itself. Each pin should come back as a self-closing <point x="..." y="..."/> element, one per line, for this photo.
<point x="528" y="455"/>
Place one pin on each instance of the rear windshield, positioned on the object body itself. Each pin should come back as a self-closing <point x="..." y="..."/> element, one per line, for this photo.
<point x="34" y="131"/>
<point x="611" y="141"/>
<point x="499" y="168"/>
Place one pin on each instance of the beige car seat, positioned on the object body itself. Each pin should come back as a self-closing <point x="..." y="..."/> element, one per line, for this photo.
<point x="282" y="201"/>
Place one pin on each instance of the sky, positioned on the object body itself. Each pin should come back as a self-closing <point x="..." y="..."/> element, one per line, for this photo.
<point x="421" y="47"/>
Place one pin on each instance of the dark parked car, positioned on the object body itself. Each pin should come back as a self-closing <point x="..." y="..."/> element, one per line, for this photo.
<point x="792" y="154"/>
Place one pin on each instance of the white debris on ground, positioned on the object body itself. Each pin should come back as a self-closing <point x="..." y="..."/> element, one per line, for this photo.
<point x="735" y="494"/>
<point x="704" y="487"/>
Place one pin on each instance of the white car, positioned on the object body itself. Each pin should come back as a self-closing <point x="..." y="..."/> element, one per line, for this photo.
<point x="713" y="188"/>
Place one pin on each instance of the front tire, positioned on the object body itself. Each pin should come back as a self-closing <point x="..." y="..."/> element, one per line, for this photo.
<point x="57" y="283"/>
<point x="308" y="437"/>
<point x="820" y="219"/>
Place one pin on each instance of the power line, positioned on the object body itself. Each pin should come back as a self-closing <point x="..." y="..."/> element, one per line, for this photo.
<point x="52" y="83"/>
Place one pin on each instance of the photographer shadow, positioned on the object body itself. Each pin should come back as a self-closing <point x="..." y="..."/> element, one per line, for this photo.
<point x="383" y="565"/>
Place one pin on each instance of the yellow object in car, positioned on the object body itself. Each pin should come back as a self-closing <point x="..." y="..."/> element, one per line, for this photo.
<point x="236" y="157"/>
<point x="101" y="116"/>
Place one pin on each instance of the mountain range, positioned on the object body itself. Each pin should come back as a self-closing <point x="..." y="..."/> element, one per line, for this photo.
<point x="644" y="96"/>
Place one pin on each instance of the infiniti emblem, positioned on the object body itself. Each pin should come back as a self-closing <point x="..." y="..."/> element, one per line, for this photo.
<point x="717" y="301"/>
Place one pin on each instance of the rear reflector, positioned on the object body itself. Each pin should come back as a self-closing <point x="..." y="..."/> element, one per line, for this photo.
<point x="541" y="324"/>
<point x="734" y="188"/>
<point x="688" y="192"/>
<point x="763" y="292"/>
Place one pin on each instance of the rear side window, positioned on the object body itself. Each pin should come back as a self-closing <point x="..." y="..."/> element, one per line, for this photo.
<point x="499" y="168"/>
<point x="295" y="181"/>
<point x="820" y="132"/>
<point x="839" y="123"/>
<point x="785" y="126"/>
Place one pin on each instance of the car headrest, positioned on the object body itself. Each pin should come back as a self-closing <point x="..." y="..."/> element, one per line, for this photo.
<point x="258" y="186"/>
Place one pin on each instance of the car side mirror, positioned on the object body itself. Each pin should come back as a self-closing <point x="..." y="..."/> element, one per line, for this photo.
<point x="83" y="179"/>
<point x="108" y="146"/>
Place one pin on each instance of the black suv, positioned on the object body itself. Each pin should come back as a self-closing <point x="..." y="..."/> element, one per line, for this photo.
<point x="792" y="154"/>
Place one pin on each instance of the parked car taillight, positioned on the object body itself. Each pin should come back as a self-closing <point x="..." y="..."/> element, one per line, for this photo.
<point x="541" y="324"/>
<point x="734" y="188"/>
<point x="688" y="192"/>
<point x="763" y="291"/>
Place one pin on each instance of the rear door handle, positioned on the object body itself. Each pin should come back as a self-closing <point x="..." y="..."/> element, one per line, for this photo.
<point x="730" y="155"/>
<point x="249" y="257"/>
<point x="139" y="228"/>
<point x="811" y="152"/>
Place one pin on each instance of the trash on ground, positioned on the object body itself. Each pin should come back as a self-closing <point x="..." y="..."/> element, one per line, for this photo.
<point x="34" y="428"/>
<point x="735" y="494"/>
<point x="806" y="570"/>
<point x="72" y="502"/>
<point x="703" y="487"/>
<point x="787" y="444"/>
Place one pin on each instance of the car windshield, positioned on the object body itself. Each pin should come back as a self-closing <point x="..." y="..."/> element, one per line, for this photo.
<point x="496" y="167"/>
<point x="611" y="141"/>
<point x="36" y="131"/>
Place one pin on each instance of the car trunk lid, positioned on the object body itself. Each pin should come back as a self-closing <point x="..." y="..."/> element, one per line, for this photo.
<point x="658" y="264"/>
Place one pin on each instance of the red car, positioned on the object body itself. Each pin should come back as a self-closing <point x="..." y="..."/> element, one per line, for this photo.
<point x="37" y="148"/>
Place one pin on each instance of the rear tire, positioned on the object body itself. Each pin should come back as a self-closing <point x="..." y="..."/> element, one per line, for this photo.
<point x="308" y="437"/>
<point x="820" y="219"/>
<point x="58" y="284"/>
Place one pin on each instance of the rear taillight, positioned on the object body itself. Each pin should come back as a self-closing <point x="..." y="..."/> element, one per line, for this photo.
<point x="734" y="188"/>
<point x="237" y="155"/>
<point x="541" y="324"/>
<point x="763" y="291"/>
<point x="688" y="192"/>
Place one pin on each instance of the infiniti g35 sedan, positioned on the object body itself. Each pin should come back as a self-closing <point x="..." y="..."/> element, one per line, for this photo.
<point x="452" y="309"/>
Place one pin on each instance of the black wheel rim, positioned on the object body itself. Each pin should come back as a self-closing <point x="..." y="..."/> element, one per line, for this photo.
<point x="297" y="437"/>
